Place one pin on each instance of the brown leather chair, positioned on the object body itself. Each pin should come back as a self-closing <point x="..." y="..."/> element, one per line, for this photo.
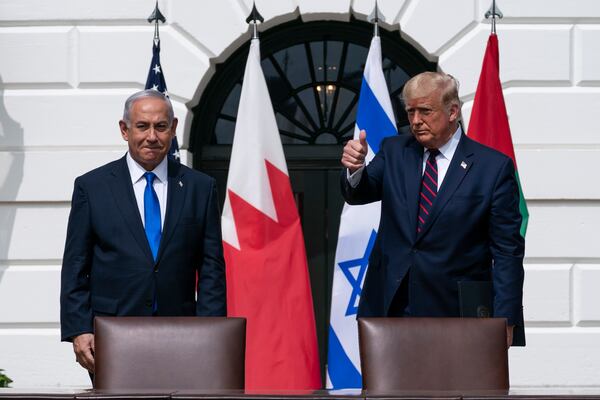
<point x="429" y="354"/>
<point x="205" y="353"/>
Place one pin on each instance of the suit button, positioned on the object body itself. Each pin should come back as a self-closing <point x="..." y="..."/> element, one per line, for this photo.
<point x="155" y="269"/>
<point x="148" y="303"/>
<point x="414" y="251"/>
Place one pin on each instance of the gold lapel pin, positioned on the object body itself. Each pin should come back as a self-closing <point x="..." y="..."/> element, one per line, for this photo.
<point x="463" y="165"/>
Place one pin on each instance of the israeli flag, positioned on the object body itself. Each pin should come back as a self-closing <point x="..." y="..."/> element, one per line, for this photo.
<point x="358" y="229"/>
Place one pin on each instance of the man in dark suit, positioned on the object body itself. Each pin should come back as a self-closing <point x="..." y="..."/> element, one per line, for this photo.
<point x="449" y="215"/>
<point x="140" y="229"/>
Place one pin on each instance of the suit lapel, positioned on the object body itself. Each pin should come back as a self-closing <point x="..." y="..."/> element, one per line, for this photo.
<point x="458" y="169"/>
<point x="122" y="190"/>
<point x="175" y="199"/>
<point x="413" y="154"/>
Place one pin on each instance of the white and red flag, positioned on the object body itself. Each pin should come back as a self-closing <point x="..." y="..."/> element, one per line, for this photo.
<point x="267" y="273"/>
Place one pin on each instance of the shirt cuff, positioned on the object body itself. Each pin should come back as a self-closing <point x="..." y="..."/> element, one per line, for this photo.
<point x="354" y="178"/>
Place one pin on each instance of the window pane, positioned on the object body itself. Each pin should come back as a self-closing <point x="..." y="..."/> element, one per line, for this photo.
<point x="344" y="99"/>
<point x="230" y="106"/>
<point x="350" y="119"/>
<point x="316" y="51"/>
<point x="355" y="64"/>
<point x="394" y="75"/>
<point x="294" y="64"/>
<point x="278" y="90"/>
<point x="290" y="109"/>
<point x="326" y="138"/>
<point x="224" y="131"/>
<point x="334" y="55"/>
<point x="286" y="125"/>
<point x="307" y="97"/>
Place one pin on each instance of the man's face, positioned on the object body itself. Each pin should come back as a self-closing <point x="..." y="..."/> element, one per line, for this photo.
<point x="431" y="121"/>
<point x="148" y="134"/>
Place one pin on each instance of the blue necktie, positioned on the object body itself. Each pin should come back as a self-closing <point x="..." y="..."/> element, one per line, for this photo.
<point x="151" y="214"/>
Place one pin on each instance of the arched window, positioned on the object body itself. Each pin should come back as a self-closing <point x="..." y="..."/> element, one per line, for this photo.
<point x="313" y="72"/>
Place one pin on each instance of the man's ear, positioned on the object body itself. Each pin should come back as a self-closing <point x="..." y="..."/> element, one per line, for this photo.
<point x="454" y="112"/>
<point x="174" y="127"/>
<point x="124" y="130"/>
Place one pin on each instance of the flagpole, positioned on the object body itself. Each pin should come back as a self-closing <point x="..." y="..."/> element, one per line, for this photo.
<point x="253" y="18"/>
<point x="374" y="18"/>
<point x="155" y="17"/>
<point x="492" y="13"/>
<point x="156" y="78"/>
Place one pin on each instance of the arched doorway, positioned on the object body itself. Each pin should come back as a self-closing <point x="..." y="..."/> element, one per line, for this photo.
<point x="314" y="73"/>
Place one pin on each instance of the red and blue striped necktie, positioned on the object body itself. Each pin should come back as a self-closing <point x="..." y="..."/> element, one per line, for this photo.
<point x="429" y="189"/>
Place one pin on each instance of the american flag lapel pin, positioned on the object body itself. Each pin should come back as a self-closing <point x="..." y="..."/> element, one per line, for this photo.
<point x="462" y="164"/>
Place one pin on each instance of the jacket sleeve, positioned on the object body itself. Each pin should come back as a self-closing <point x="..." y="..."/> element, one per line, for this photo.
<point x="211" y="288"/>
<point x="75" y="307"/>
<point x="507" y="247"/>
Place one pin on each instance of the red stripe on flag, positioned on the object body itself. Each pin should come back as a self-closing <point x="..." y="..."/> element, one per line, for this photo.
<point x="268" y="284"/>
<point x="489" y="120"/>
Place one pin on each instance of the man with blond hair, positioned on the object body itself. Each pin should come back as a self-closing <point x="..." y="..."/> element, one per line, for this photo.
<point x="449" y="230"/>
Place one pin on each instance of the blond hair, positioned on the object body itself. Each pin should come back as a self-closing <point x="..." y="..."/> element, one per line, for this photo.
<point x="428" y="82"/>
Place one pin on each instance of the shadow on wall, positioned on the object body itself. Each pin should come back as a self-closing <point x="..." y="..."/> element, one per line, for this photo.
<point x="11" y="176"/>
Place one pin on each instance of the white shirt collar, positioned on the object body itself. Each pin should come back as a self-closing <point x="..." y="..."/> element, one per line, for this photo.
<point x="448" y="149"/>
<point x="137" y="171"/>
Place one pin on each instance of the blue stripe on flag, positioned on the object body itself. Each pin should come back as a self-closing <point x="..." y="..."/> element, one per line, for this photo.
<point x="342" y="373"/>
<point x="375" y="116"/>
<point x="372" y="118"/>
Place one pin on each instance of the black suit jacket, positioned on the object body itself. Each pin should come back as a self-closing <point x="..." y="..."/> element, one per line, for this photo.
<point x="108" y="268"/>
<point x="472" y="233"/>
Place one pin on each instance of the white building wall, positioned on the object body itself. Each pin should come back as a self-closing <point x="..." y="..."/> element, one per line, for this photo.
<point x="66" y="66"/>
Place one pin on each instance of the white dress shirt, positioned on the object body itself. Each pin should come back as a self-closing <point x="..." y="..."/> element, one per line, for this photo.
<point x="444" y="157"/>
<point x="443" y="160"/>
<point x="160" y="185"/>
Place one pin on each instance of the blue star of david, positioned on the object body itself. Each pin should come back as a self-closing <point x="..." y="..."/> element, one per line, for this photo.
<point x="362" y="263"/>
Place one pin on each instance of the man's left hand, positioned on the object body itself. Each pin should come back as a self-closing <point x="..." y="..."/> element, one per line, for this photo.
<point x="509" y="335"/>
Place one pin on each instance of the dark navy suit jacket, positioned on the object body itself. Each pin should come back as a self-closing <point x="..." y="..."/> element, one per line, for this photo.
<point x="472" y="233"/>
<point x="108" y="268"/>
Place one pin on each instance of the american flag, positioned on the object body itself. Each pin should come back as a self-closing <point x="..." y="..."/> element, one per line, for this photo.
<point x="156" y="81"/>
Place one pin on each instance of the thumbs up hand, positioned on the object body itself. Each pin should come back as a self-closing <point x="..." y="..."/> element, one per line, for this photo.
<point x="355" y="152"/>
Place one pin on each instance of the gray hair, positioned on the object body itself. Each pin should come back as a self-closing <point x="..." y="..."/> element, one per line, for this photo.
<point x="144" y="94"/>
<point x="427" y="82"/>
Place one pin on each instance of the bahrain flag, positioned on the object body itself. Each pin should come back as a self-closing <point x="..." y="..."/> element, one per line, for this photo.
<point x="267" y="274"/>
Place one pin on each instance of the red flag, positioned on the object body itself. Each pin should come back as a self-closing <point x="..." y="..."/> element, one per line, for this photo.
<point x="267" y="273"/>
<point x="489" y="120"/>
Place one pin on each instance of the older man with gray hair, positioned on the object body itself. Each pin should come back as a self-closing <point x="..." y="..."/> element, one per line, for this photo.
<point x="140" y="229"/>
<point x="448" y="242"/>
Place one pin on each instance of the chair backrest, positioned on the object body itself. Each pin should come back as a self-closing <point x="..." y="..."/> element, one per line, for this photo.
<point x="169" y="353"/>
<point x="433" y="354"/>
